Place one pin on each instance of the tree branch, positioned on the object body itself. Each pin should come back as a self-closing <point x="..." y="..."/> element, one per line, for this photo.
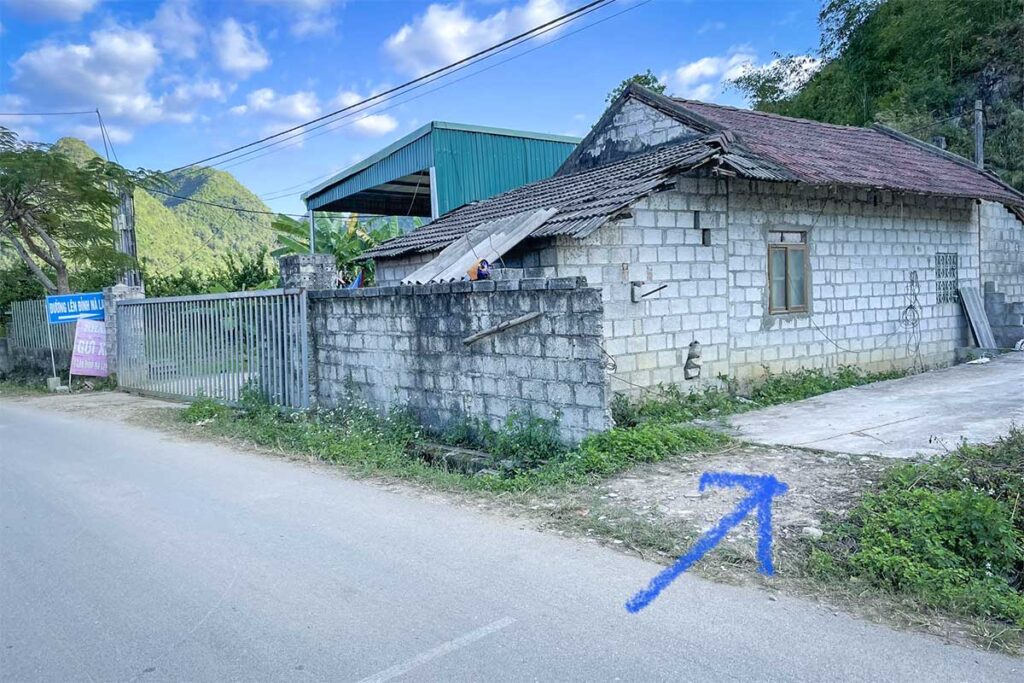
<point x="28" y="261"/>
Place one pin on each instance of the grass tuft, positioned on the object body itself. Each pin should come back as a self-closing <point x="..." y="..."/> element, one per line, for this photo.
<point x="673" y="404"/>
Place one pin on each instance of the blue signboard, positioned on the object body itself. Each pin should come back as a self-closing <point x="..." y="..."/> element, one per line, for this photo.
<point x="68" y="308"/>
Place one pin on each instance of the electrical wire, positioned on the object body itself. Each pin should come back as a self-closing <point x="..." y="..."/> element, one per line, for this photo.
<point x="304" y="134"/>
<point x="276" y="193"/>
<point x="225" y="206"/>
<point x="107" y="141"/>
<point x="933" y="124"/>
<point x="425" y="77"/>
<point x="46" y="113"/>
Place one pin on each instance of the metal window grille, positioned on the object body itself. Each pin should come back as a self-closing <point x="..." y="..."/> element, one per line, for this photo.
<point x="946" y="278"/>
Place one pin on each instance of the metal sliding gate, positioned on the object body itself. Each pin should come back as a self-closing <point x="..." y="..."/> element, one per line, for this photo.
<point x="216" y="345"/>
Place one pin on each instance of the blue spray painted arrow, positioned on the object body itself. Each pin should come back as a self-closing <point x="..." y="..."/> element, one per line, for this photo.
<point x="762" y="489"/>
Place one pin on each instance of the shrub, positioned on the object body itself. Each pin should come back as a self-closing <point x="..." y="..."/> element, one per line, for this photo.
<point x="619" y="448"/>
<point x="526" y="442"/>
<point x="950" y="532"/>
<point x="204" y="409"/>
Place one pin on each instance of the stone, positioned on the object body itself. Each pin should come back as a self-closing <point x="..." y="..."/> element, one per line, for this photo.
<point x="812" y="532"/>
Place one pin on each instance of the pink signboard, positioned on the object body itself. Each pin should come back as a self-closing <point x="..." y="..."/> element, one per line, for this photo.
<point x="90" y="354"/>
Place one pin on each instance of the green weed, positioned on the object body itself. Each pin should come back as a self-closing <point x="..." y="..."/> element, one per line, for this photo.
<point x="673" y="404"/>
<point x="948" y="532"/>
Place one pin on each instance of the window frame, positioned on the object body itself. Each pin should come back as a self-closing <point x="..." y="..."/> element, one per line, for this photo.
<point x="791" y="250"/>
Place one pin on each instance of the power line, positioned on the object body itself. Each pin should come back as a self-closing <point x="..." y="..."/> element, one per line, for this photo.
<point x="103" y="136"/>
<point x="933" y="124"/>
<point x="45" y="113"/>
<point x="449" y="70"/>
<point x="106" y="136"/>
<point x="225" y="206"/>
<point x="268" y="195"/>
<point x="403" y="86"/>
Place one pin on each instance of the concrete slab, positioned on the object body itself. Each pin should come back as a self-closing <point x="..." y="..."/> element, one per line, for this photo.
<point x="925" y="414"/>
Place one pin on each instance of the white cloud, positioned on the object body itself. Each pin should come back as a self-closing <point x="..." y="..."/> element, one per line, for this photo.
<point x="297" y="107"/>
<point x="309" y="17"/>
<point x="446" y="33"/>
<point x="239" y="50"/>
<point x="88" y="133"/>
<point x="176" y="30"/>
<point x="24" y="126"/>
<point x="110" y="71"/>
<point x="706" y="78"/>
<point x="367" y="124"/>
<point x="709" y="26"/>
<point x="51" y="10"/>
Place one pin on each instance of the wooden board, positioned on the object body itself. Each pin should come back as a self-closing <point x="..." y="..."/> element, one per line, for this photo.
<point x="977" y="317"/>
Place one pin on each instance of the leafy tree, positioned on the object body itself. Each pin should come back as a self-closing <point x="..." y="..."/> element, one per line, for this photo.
<point x="55" y="212"/>
<point x="647" y="79"/>
<point x="347" y="236"/>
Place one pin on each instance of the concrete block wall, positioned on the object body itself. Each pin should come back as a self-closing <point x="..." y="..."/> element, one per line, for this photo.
<point x="635" y="127"/>
<point x="308" y="271"/>
<point x="863" y="249"/>
<point x="660" y="245"/>
<point x="403" y="347"/>
<point x="1005" y="317"/>
<point x="393" y="270"/>
<point x="6" y="361"/>
<point x="1002" y="250"/>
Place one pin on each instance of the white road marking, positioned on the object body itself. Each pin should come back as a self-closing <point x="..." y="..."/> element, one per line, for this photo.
<point x="439" y="651"/>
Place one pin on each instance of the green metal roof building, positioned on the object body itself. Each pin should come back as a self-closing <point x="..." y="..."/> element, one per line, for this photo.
<point x="440" y="167"/>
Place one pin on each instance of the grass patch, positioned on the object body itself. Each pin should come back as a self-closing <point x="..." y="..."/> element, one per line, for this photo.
<point x="949" y="533"/>
<point x="523" y="455"/>
<point x="672" y="404"/>
<point x="21" y="387"/>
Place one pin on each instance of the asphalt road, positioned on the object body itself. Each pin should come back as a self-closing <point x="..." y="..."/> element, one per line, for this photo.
<point x="127" y="555"/>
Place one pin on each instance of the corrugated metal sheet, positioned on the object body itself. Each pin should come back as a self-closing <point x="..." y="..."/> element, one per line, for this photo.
<point x="403" y="160"/>
<point x="472" y="165"/>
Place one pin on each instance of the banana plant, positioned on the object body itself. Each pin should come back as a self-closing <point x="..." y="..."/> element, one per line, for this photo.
<point x="346" y="236"/>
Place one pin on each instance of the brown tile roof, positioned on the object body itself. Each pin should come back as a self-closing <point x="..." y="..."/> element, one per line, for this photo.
<point x="584" y="200"/>
<point x="751" y="144"/>
<point x="823" y="153"/>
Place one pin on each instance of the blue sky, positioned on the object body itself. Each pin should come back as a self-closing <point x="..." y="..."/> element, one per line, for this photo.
<point x="178" y="80"/>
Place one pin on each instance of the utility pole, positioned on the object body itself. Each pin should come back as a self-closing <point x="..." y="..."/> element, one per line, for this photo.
<point x="979" y="135"/>
<point x="312" y="233"/>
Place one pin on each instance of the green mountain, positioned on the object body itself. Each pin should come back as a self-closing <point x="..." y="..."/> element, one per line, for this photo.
<point x="175" y="233"/>
<point x="917" y="67"/>
<point x="223" y="230"/>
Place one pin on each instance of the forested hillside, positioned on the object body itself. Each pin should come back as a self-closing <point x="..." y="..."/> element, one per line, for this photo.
<point x="174" y="233"/>
<point x="915" y="65"/>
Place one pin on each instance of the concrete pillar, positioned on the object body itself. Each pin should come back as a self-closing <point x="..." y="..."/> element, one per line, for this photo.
<point x="309" y="271"/>
<point x="111" y="295"/>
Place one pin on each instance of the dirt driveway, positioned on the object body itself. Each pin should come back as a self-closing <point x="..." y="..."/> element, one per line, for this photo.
<point x="925" y="414"/>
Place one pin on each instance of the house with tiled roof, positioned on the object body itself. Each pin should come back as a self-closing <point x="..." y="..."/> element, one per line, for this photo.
<point x="731" y="242"/>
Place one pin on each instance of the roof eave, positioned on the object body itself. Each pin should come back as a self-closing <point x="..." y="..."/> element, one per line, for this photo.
<point x="946" y="154"/>
<point x="369" y="161"/>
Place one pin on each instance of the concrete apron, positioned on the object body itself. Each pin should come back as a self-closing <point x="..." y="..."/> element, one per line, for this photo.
<point x="926" y="414"/>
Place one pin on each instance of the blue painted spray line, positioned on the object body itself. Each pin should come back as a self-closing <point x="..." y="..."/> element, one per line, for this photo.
<point x="762" y="488"/>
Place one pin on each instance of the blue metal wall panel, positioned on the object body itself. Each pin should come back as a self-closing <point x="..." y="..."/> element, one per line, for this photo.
<point x="416" y="156"/>
<point x="475" y="165"/>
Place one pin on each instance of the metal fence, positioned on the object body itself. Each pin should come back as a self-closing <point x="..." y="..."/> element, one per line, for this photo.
<point x="28" y="329"/>
<point x="216" y="345"/>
